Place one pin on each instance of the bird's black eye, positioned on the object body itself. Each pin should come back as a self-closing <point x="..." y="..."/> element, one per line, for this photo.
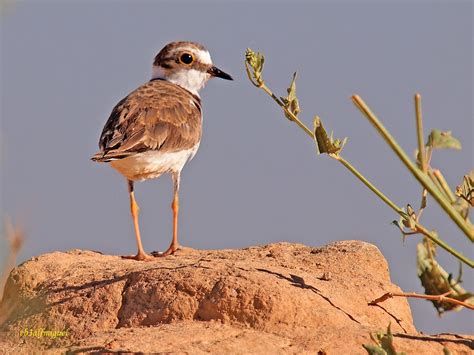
<point x="186" y="58"/>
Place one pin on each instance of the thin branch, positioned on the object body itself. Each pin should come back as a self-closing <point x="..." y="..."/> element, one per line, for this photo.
<point x="438" y="298"/>
<point x="417" y="173"/>
<point x="418" y="227"/>
<point x="293" y="118"/>
<point x="419" y="134"/>
<point x="435" y="181"/>
<point x="367" y="183"/>
<point x="424" y="194"/>
<point x="421" y="151"/>
<point x="444" y="185"/>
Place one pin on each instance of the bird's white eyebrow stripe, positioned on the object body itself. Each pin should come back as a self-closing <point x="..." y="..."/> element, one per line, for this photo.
<point x="203" y="56"/>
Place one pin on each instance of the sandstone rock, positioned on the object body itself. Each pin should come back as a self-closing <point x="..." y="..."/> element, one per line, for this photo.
<point x="279" y="298"/>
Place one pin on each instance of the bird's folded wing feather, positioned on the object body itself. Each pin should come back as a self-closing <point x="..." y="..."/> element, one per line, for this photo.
<point x="157" y="116"/>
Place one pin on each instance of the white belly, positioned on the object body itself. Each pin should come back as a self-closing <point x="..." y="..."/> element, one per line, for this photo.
<point x="152" y="164"/>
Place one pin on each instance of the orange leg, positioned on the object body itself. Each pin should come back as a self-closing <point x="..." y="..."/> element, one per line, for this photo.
<point x="175" y="208"/>
<point x="134" y="209"/>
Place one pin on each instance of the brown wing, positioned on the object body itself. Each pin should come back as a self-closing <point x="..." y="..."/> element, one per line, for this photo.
<point x="159" y="115"/>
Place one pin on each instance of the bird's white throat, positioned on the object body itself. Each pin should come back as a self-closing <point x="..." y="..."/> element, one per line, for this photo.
<point x="191" y="79"/>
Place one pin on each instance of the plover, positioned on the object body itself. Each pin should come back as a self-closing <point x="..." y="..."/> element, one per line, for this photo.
<point x="157" y="128"/>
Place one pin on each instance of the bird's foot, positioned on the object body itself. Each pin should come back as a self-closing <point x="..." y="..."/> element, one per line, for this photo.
<point x="139" y="257"/>
<point x="169" y="251"/>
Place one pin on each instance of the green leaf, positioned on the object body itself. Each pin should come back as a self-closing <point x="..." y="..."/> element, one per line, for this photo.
<point x="466" y="189"/>
<point x="442" y="140"/>
<point x="321" y="137"/>
<point x="291" y="102"/>
<point x="383" y="344"/>
<point x="386" y="341"/>
<point x="462" y="206"/>
<point x="410" y="221"/>
<point x="255" y="61"/>
<point x="374" y="349"/>
<point x="436" y="280"/>
<point x="326" y="144"/>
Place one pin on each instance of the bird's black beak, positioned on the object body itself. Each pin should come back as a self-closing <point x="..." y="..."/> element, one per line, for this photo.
<point x="214" y="71"/>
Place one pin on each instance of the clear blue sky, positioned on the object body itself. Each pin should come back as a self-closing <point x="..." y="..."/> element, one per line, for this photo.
<point x="256" y="178"/>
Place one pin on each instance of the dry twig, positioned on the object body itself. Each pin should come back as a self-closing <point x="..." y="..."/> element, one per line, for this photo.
<point x="438" y="298"/>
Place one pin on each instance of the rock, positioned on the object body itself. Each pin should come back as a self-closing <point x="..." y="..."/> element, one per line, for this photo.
<point x="279" y="298"/>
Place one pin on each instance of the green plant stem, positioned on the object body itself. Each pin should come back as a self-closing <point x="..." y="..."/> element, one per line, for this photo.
<point x="261" y="85"/>
<point x="354" y="171"/>
<point x="419" y="133"/>
<point x="419" y="227"/>
<point x="444" y="185"/>
<point x="421" y="151"/>
<point x="419" y="175"/>
<point x="367" y="183"/>
<point x="435" y="181"/>
<point x="282" y="105"/>
<point x="434" y="238"/>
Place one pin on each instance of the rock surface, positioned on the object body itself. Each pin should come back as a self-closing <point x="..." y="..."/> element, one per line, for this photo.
<point x="275" y="299"/>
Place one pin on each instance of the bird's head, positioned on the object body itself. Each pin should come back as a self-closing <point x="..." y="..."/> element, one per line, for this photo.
<point x="187" y="64"/>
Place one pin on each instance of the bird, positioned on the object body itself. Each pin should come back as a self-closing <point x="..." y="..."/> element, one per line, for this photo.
<point x="156" y="129"/>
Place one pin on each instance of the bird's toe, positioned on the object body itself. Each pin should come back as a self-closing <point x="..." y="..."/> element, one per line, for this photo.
<point x="139" y="257"/>
<point x="171" y="250"/>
